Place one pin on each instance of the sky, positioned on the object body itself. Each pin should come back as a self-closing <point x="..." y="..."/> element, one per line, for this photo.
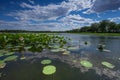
<point x="56" y="15"/>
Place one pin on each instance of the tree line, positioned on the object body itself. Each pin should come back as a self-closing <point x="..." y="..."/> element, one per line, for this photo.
<point x="104" y="26"/>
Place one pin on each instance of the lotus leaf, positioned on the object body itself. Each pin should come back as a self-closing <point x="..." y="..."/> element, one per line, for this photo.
<point x="2" y="64"/>
<point x="10" y="58"/>
<point x="55" y="50"/>
<point x="47" y="61"/>
<point x="7" y="54"/>
<point x="86" y="64"/>
<point x="23" y="58"/>
<point x="72" y="48"/>
<point x="66" y="52"/>
<point x="28" y="47"/>
<point x="74" y="61"/>
<point x="107" y="64"/>
<point x="48" y="70"/>
<point x="1" y="55"/>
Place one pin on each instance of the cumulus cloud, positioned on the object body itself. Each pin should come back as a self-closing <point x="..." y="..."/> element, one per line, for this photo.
<point x="115" y="19"/>
<point x="103" y="5"/>
<point x="39" y="14"/>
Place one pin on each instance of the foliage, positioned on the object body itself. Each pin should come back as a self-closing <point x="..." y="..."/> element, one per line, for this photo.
<point x="47" y="61"/>
<point x="107" y="64"/>
<point x="48" y="70"/>
<point x="101" y="27"/>
<point x="34" y="42"/>
<point x="86" y="64"/>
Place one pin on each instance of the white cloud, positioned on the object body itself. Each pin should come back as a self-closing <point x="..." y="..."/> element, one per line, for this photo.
<point x="115" y="19"/>
<point x="38" y="13"/>
<point x="31" y="1"/>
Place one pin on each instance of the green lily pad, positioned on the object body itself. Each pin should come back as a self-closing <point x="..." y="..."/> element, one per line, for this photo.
<point x="28" y="47"/>
<point x="72" y="48"/>
<point x="1" y="55"/>
<point x="66" y="53"/>
<point x="86" y="64"/>
<point x="22" y="58"/>
<point x="7" y="54"/>
<point x="10" y="58"/>
<point x="55" y="50"/>
<point x="47" y="61"/>
<point x="107" y="64"/>
<point x="56" y="46"/>
<point x="2" y="64"/>
<point x="74" y="61"/>
<point x="48" y="70"/>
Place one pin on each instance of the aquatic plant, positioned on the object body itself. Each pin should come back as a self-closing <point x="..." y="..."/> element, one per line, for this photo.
<point x="72" y="48"/>
<point x="10" y="53"/>
<point x="107" y="64"/>
<point x="55" y="50"/>
<point x="86" y="63"/>
<point x="10" y="58"/>
<point x="1" y="55"/>
<point x="48" y="70"/>
<point x="22" y="58"/>
<point x="46" y="61"/>
<point x="66" y="52"/>
<point x="34" y="42"/>
<point x="2" y="64"/>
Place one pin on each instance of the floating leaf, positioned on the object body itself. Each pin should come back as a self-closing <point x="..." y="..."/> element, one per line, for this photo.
<point x="28" y="47"/>
<point x="55" y="50"/>
<point x="86" y="64"/>
<point x="22" y="58"/>
<point x="107" y="64"/>
<point x="10" y="58"/>
<point x="7" y="54"/>
<point x="66" y="53"/>
<point x="47" y="61"/>
<point x="2" y="64"/>
<point x="56" y="46"/>
<point x="48" y="70"/>
<point x="74" y="61"/>
<point x="106" y="50"/>
<point x="72" y="48"/>
<point x="1" y="55"/>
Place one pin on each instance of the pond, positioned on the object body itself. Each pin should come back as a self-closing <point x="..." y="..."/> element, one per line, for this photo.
<point x="82" y="60"/>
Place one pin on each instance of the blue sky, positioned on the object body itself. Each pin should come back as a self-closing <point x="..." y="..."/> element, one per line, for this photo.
<point x="56" y="15"/>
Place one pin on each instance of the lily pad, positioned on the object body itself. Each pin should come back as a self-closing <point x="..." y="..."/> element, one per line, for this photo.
<point x="22" y="58"/>
<point x="48" y="70"/>
<point x="56" y="46"/>
<point x="107" y="64"/>
<point x="55" y="50"/>
<point x="1" y="55"/>
<point x="72" y="48"/>
<point x="28" y="47"/>
<point x="2" y="64"/>
<point x="7" y="54"/>
<point x="86" y="64"/>
<point x="66" y="53"/>
<point x="10" y="58"/>
<point x="47" y="61"/>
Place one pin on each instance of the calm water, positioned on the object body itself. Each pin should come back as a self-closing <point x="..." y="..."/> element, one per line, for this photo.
<point x="31" y="69"/>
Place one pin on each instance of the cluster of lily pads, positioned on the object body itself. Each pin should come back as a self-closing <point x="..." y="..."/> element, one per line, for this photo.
<point x="7" y="57"/>
<point x="34" y="42"/>
<point x="49" y="69"/>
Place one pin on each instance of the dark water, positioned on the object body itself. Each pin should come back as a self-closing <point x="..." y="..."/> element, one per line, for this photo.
<point x="31" y="69"/>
